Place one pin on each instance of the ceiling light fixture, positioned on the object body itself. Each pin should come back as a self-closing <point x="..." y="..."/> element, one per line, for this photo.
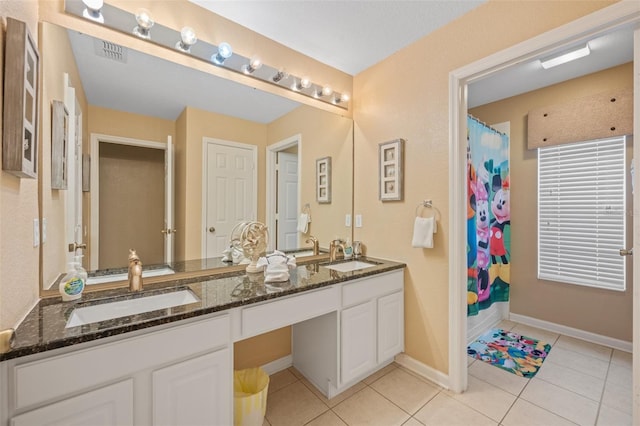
<point x="566" y="57"/>
<point x="254" y="64"/>
<point x="282" y="74"/>
<point x="325" y="90"/>
<point x="145" y="22"/>
<point x="187" y="39"/>
<point x="224" y="52"/>
<point x="93" y="10"/>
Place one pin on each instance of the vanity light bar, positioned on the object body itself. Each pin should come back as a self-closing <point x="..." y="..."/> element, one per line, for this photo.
<point x="126" y="22"/>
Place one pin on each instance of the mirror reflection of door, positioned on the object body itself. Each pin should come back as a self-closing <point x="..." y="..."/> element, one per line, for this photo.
<point x="129" y="202"/>
<point x="287" y="200"/>
<point x="73" y="226"/>
<point x="230" y="180"/>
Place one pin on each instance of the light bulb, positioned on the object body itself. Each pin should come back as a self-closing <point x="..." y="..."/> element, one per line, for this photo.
<point x="305" y="82"/>
<point x="341" y="97"/>
<point x="254" y="64"/>
<point x="145" y="22"/>
<point x="282" y="74"/>
<point x="327" y="90"/>
<point x="93" y="10"/>
<point x="187" y="39"/>
<point x="224" y="52"/>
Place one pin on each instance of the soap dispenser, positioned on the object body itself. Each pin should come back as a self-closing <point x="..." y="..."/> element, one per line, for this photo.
<point x="72" y="283"/>
<point x="348" y="249"/>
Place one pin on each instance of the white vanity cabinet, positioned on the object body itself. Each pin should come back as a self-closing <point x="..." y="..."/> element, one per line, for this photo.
<point x="178" y="375"/>
<point x="371" y="324"/>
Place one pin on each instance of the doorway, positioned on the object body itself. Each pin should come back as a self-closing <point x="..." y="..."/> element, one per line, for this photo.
<point x="591" y="26"/>
<point x="283" y="192"/>
<point x="131" y="201"/>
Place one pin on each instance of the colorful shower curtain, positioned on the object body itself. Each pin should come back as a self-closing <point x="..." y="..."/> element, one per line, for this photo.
<point x="488" y="217"/>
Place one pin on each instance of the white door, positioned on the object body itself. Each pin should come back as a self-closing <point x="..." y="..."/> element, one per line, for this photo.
<point x="230" y="180"/>
<point x="169" y="229"/>
<point x="73" y="195"/>
<point x="108" y="406"/>
<point x="390" y="326"/>
<point x="357" y="340"/>
<point x="194" y="392"/>
<point x="287" y="195"/>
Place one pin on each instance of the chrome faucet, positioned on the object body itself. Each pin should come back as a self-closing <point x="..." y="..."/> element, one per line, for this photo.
<point x="316" y="244"/>
<point x="135" y="271"/>
<point x="334" y="247"/>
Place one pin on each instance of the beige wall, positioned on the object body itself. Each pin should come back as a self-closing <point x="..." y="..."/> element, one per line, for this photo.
<point x="18" y="209"/>
<point x="608" y="313"/>
<point x="322" y="134"/>
<point x="406" y="96"/>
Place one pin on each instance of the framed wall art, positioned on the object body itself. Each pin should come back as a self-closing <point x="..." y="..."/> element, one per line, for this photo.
<point x="59" y="141"/>
<point x="390" y="170"/>
<point x="323" y="180"/>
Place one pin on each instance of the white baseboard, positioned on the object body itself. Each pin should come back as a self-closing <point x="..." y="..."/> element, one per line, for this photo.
<point x="278" y="365"/>
<point x="599" y="339"/>
<point x="429" y="373"/>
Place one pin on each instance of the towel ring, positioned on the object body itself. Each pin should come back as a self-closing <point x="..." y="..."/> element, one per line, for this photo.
<point x="427" y="204"/>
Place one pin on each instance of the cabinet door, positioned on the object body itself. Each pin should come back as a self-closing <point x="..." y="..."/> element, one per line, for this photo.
<point x="390" y="326"/>
<point x="108" y="406"/>
<point x="358" y="340"/>
<point x="194" y="392"/>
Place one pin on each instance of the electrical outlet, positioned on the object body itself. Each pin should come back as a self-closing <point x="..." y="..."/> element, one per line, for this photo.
<point x="347" y="220"/>
<point x="44" y="230"/>
<point x="358" y="221"/>
<point x="36" y="232"/>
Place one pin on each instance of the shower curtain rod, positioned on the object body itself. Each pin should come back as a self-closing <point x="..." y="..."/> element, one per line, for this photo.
<point x="486" y="125"/>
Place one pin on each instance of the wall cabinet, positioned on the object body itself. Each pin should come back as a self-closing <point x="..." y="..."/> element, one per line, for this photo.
<point x="20" y="116"/>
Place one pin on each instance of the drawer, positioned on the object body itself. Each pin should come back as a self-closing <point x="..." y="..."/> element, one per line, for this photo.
<point x="52" y="377"/>
<point x="372" y="287"/>
<point x="272" y="315"/>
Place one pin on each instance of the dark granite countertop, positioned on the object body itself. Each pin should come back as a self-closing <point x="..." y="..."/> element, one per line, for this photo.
<point x="44" y="329"/>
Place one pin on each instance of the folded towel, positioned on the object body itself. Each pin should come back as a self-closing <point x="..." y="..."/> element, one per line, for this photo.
<point x="423" y="230"/>
<point x="303" y="223"/>
<point x="276" y="266"/>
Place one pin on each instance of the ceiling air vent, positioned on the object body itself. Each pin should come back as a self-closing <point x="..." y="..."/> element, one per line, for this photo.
<point x="109" y="50"/>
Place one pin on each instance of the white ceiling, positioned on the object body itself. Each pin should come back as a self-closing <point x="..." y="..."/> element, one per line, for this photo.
<point x="349" y="34"/>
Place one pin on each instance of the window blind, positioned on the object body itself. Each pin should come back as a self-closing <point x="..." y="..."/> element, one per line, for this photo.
<point x="581" y="213"/>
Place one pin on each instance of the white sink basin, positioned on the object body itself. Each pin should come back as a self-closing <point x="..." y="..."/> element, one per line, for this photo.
<point x="123" y="308"/>
<point x="353" y="265"/>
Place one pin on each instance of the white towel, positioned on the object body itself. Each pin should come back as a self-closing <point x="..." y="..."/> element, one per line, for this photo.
<point x="303" y="223"/>
<point x="276" y="266"/>
<point x="423" y="230"/>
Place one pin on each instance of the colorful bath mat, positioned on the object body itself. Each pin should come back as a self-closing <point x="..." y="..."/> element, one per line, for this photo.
<point x="510" y="351"/>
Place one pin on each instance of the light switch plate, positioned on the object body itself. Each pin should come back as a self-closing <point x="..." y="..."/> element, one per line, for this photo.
<point x="36" y="232"/>
<point x="347" y="220"/>
<point x="358" y="221"/>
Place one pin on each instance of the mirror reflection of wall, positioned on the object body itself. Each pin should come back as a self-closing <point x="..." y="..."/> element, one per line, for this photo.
<point x="124" y="94"/>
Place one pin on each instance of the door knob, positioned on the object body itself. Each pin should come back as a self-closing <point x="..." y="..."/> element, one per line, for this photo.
<point x="626" y="252"/>
<point x="212" y="229"/>
<point x="75" y="246"/>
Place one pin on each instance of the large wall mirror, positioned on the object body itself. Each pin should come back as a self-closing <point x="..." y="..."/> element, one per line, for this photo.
<point x="167" y="159"/>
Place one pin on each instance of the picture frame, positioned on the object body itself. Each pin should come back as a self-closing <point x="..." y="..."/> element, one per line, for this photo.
<point x="59" y="141"/>
<point x="323" y="180"/>
<point x="86" y="173"/>
<point x="391" y="170"/>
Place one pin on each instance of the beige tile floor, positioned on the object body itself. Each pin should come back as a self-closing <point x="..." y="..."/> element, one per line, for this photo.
<point x="579" y="383"/>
